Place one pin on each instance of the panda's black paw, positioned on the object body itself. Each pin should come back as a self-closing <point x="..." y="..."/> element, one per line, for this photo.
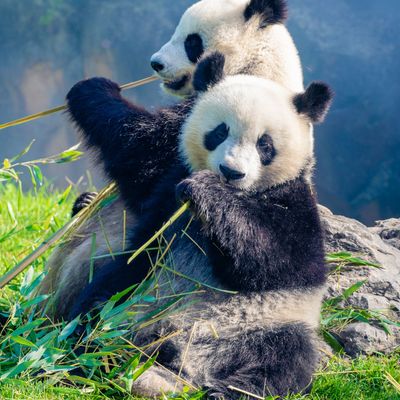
<point x="83" y="92"/>
<point x="184" y="191"/>
<point x="83" y="201"/>
<point x="196" y="186"/>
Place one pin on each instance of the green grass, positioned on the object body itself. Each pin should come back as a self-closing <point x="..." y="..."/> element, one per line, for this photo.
<point x="25" y="390"/>
<point x="361" y="379"/>
<point x="26" y="219"/>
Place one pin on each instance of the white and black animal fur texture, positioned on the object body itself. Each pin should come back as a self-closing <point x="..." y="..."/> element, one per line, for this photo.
<point x="250" y="34"/>
<point x="254" y="40"/>
<point x="245" y="147"/>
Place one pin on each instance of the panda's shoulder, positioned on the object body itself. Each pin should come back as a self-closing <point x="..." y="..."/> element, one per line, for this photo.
<point x="178" y="110"/>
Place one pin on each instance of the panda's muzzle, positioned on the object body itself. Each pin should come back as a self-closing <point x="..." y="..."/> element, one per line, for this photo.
<point x="177" y="84"/>
<point x="231" y="174"/>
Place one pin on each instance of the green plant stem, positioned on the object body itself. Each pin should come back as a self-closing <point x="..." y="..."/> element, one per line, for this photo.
<point x="175" y="217"/>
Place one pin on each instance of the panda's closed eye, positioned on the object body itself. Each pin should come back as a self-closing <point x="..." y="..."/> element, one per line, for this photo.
<point x="266" y="149"/>
<point x="194" y="47"/>
<point x="217" y="136"/>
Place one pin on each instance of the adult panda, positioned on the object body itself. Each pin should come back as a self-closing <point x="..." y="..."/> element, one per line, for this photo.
<point x="252" y="36"/>
<point x="246" y="148"/>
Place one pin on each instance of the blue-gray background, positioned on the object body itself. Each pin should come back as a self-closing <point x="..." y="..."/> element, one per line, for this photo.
<point x="48" y="45"/>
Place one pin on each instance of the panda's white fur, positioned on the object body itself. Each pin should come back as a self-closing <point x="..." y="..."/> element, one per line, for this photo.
<point x="268" y="52"/>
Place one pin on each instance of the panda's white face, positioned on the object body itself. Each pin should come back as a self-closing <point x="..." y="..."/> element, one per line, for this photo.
<point x="248" y="131"/>
<point x="220" y="25"/>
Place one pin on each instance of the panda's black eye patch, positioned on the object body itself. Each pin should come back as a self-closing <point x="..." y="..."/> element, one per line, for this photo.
<point x="217" y="136"/>
<point x="194" y="47"/>
<point x="266" y="149"/>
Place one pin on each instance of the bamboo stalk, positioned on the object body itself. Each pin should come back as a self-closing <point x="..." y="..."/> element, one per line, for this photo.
<point x="175" y="217"/>
<point x="54" y="110"/>
<point x="245" y="392"/>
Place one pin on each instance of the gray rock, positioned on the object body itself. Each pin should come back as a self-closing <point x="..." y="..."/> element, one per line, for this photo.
<point x="389" y="231"/>
<point x="369" y="338"/>
<point x="381" y="292"/>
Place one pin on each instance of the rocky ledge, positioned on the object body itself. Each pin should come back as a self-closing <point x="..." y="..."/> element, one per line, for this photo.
<point x="381" y="291"/>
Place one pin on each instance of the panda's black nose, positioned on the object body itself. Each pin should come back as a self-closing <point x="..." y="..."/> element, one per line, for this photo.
<point x="231" y="174"/>
<point x="158" y="67"/>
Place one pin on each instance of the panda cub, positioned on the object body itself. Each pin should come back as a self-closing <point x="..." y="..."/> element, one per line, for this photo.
<point x="245" y="149"/>
<point x="252" y="36"/>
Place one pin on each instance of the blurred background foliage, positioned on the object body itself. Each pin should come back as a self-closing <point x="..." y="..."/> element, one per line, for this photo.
<point x="48" y="45"/>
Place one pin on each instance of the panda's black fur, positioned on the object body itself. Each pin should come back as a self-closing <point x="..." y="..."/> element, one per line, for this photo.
<point x="259" y="235"/>
<point x="269" y="11"/>
<point x="260" y="244"/>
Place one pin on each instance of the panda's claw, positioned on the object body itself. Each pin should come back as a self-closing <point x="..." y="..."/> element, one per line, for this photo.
<point x="184" y="190"/>
<point x="83" y="201"/>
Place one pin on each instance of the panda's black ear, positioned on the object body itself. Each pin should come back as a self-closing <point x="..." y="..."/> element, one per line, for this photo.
<point x="209" y="71"/>
<point x="270" y="11"/>
<point x="315" y="101"/>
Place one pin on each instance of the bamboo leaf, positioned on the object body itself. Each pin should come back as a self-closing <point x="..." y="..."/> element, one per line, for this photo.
<point x="23" y="366"/>
<point x="23" y="341"/>
<point x="113" y="334"/>
<point x="352" y="289"/>
<point x="33" y="180"/>
<point x="34" y="301"/>
<point x="28" y="327"/>
<point x="37" y="173"/>
<point x="23" y="152"/>
<point x="332" y="341"/>
<point x="348" y="258"/>
<point x="144" y="368"/>
<point x="8" y="234"/>
<point x="7" y="175"/>
<point x="65" y="195"/>
<point x="69" y="155"/>
<point x="68" y="330"/>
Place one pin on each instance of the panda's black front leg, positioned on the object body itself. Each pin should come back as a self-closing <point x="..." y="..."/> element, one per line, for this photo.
<point x="214" y="202"/>
<point x="134" y="146"/>
<point x="231" y="219"/>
